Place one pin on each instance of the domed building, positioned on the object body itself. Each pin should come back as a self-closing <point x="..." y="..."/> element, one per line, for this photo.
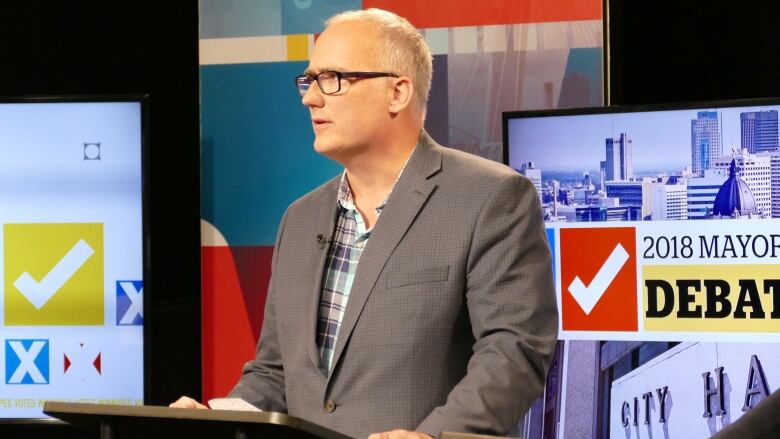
<point x="734" y="199"/>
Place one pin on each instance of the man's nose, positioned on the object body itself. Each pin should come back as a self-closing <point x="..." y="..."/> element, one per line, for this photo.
<point x="312" y="97"/>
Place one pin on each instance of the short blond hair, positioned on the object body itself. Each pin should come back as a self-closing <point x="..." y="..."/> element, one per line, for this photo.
<point x="405" y="51"/>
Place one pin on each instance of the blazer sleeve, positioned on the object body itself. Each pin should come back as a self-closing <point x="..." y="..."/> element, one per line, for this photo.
<point x="512" y="307"/>
<point x="262" y="379"/>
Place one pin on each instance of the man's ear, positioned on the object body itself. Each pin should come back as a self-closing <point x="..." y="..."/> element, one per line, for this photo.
<point x="402" y="95"/>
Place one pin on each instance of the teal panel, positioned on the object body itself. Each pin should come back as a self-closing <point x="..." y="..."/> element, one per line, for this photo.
<point x="240" y="18"/>
<point x="256" y="149"/>
<point x="308" y="16"/>
<point x="582" y="82"/>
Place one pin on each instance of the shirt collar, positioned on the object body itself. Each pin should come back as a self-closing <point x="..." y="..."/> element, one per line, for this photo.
<point x="345" y="199"/>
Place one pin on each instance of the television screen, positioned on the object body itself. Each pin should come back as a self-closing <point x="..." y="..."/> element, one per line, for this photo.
<point x="665" y="228"/>
<point x="71" y="314"/>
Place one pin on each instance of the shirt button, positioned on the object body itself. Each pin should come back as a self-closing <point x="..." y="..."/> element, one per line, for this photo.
<point x="330" y="406"/>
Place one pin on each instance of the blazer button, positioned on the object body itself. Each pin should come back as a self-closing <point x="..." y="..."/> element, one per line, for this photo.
<point x="330" y="406"/>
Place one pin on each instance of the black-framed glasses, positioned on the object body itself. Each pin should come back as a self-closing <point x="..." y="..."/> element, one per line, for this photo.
<point x="330" y="81"/>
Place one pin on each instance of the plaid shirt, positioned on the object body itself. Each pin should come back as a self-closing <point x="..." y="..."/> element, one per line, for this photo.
<point x="349" y="240"/>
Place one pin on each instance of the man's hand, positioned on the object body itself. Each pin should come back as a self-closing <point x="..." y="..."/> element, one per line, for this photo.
<point x="399" y="434"/>
<point x="187" y="403"/>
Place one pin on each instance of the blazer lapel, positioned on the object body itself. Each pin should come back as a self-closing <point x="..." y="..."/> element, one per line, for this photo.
<point x="410" y="193"/>
<point x="325" y="225"/>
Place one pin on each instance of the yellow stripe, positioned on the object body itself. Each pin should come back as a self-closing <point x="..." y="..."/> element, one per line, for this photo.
<point x="297" y="47"/>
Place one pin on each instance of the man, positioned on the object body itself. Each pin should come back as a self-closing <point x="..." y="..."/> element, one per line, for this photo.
<point x="413" y="294"/>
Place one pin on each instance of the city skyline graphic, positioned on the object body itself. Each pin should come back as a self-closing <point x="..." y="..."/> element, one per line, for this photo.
<point x="706" y="163"/>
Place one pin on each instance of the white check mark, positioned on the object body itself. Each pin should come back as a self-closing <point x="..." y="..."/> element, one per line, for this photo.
<point x="38" y="293"/>
<point x="588" y="297"/>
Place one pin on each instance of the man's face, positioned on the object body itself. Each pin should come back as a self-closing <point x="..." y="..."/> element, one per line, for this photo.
<point x="345" y="124"/>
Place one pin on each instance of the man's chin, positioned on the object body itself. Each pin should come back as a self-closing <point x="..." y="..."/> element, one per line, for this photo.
<point x="320" y="146"/>
<point x="323" y="147"/>
<point x="330" y="150"/>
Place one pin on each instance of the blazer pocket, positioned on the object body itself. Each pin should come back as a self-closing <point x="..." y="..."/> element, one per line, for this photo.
<point x="417" y="276"/>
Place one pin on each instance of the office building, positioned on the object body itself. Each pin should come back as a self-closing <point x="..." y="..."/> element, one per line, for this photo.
<point x="670" y="202"/>
<point x="633" y="193"/>
<point x="774" y="164"/>
<point x="705" y="141"/>
<point x="619" y="164"/>
<point x="702" y="192"/>
<point x="759" y="131"/>
<point x="534" y="174"/>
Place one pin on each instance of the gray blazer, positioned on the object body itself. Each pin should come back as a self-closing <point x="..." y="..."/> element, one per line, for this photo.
<point x="451" y="320"/>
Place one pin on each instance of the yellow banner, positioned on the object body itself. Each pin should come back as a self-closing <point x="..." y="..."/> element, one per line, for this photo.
<point x="711" y="298"/>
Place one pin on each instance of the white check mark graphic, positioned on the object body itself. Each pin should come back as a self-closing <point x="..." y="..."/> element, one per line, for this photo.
<point x="38" y="293"/>
<point x="588" y="297"/>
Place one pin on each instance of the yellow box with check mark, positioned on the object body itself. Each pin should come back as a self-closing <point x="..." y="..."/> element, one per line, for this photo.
<point x="53" y="274"/>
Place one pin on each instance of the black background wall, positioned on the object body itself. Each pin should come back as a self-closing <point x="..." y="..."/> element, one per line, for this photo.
<point x="662" y="51"/>
<point x="684" y="50"/>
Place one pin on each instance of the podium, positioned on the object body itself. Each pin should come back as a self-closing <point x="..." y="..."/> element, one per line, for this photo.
<point x="146" y="422"/>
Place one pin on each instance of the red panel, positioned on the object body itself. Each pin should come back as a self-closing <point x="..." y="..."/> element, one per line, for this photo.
<point x="253" y="264"/>
<point x="429" y="14"/>
<point x="228" y="341"/>
<point x="616" y="309"/>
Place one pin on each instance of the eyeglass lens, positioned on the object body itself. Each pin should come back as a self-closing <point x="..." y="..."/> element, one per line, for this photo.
<point x="328" y="82"/>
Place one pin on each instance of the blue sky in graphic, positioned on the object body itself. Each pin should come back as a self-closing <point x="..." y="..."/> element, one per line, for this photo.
<point x="578" y="142"/>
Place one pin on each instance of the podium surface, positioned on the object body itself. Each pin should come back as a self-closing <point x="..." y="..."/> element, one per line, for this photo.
<point x="115" y="421"/>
